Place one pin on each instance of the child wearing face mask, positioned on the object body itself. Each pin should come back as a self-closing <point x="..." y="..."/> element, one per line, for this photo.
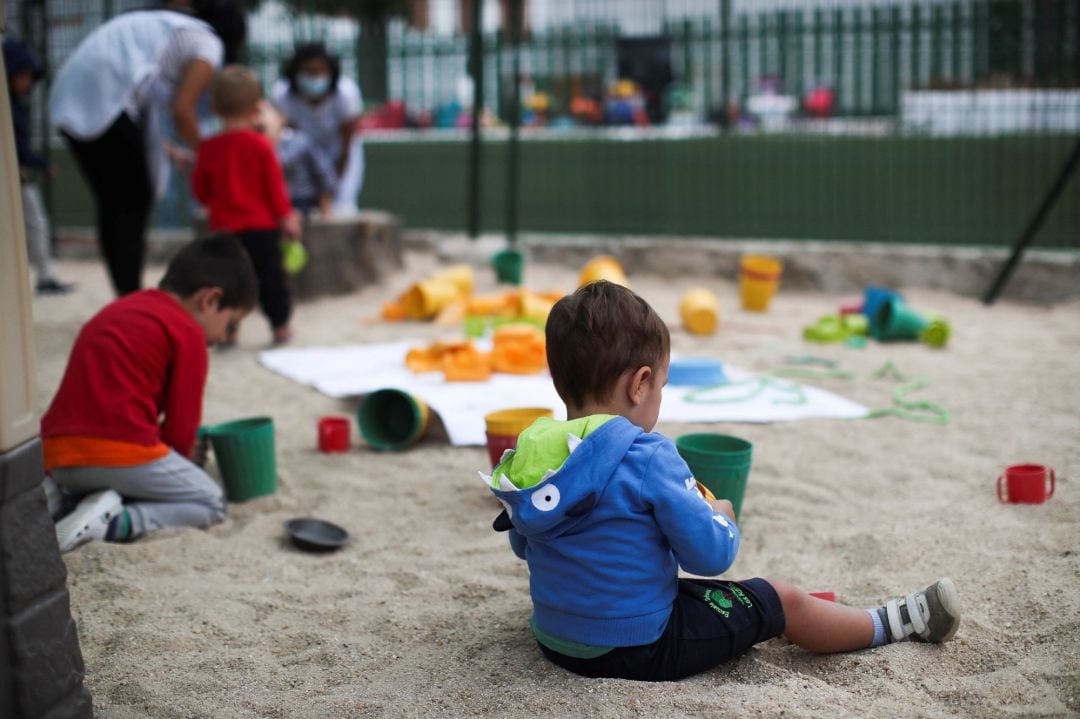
<point x="321" y="103"/>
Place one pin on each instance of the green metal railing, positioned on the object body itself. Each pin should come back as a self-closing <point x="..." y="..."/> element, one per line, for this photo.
<point x="945" y="119"/>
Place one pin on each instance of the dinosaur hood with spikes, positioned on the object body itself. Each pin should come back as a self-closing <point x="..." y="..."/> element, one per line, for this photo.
<point x="530" y="480"/>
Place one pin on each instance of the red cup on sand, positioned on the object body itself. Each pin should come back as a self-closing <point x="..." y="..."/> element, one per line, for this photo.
<point x="334" y="434"/>
<point x="1025" y="484"/>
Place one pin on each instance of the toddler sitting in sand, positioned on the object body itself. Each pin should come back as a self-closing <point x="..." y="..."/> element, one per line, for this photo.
<point x="605" y="512"/>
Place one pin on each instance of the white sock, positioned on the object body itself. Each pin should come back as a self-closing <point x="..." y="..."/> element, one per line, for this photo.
<point x="879" y="629"/>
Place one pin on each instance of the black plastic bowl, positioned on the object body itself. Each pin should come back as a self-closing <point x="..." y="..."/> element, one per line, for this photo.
<point x="315" y="535"/>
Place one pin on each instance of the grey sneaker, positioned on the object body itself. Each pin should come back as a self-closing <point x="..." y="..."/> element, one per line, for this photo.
<point x="89" y="520"/>
<point x="932" y="615"/>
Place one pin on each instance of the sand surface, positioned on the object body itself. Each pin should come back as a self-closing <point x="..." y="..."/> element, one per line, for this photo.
<point x="425" y="612"/>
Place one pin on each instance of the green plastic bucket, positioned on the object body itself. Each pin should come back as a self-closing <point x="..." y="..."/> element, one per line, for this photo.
<point x="244" y="451"/>
<point x="391" y="419"/>
<point x="508" y="266"/>
<point x="894" y="320"/>
<point x="721" y="462"/>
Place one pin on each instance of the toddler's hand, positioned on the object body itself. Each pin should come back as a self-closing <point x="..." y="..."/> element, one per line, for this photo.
<point x="724" y="507"/>
<point x="290" y="225"/>
<point x="326" y="205"/>
<point x="182" y="158"/>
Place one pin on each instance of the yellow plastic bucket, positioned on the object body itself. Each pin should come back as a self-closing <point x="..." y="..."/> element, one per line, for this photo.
<point x="504" y="426"/>
<point x="758" y="279"/>
<point x="425" y="298"/>
<point x="461" y="275"/>
<point x="604" y="267"/>
<point x="514" y="421"/>
<point x="700" y="311"/>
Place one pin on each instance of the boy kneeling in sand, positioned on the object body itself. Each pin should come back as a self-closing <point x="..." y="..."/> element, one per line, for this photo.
<point x="605" y="512"/>
<point x="122" y="426"/>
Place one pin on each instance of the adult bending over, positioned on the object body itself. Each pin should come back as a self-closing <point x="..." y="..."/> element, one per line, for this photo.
<point x="108" y="99"/>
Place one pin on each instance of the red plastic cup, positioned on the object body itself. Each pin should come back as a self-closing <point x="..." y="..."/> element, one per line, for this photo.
<point x="851" y="306"/>
<point x="1025" y="484"/>
<point x="497" y="444"/>
<point x="827" y="596"/>
<point x="334" y="434"/>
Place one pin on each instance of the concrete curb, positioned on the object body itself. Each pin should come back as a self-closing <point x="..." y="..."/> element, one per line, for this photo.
<point x="1044" y="276"/>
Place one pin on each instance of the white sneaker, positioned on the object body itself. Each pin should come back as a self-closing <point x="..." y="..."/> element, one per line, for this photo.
<point x="89" y="520"/>
<point x="932" y="615"/>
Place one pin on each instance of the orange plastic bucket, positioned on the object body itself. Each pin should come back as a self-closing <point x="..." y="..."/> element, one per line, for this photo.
<point x="759" y="277"/>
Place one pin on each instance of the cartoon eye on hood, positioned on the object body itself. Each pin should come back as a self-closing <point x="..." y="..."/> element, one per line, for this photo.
<point x="546" y="498"/>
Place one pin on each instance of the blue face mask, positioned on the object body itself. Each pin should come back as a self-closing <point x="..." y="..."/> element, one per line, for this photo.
<point x="313" y="85"/>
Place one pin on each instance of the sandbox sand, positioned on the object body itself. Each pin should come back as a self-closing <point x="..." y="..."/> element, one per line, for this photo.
<point x="425" y="612"/>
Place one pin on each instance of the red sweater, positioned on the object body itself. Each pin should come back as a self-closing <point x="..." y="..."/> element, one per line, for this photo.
<point x="141" y="357"/>
<point x="239" y="179"/>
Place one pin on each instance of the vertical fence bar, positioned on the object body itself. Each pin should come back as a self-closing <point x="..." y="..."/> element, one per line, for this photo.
<point x="726" y="53"/>
<point x="957" y="41"/>
<point x="894" y="40"/>
<point x="979" y="62"/>
<point x="915" y="30"/>
<point x="935" y="46"/>
<point x="857" y="64"/>
<point x="819" y="59"/>
<point x="707" y="66"/>
<point x="476" y="62"/>
<point x="798" y="28"/>
<point x="513" y="176"/>
<point x="744" y="60"/>
<point x="875" y="62"/>
<point x="763" y="45"/>
<point x="839" y="41"/>
<point x="782" y="50"/>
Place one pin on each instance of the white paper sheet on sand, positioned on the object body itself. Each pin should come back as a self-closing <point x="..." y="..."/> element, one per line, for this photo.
<point x="359" y="369"/>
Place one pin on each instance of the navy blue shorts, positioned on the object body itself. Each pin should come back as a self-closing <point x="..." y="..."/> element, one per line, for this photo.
<point x="711" y="622"/>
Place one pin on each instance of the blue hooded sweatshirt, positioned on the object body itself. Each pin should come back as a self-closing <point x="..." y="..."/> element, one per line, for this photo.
<point x="18" y="58"/>
<point x="605" y="532"/>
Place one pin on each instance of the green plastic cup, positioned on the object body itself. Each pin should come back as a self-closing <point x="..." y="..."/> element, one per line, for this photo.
<point x="719" y="461"/>
<point x="391" y="419"/>
<point x="508" y="266"/>
<point x="244" y="450"/>
<point x="894" y="320"/>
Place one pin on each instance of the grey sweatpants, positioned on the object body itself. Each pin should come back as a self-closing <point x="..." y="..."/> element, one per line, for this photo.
<point x="169" y="492"/>
<point x="38" y="242"/>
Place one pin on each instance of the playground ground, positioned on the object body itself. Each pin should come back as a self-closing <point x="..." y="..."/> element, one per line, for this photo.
<point x="425" y="612"/>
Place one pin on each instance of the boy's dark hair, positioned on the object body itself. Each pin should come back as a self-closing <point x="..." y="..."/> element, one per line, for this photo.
<point x="18" y="57"/>
<point x="217" y="261"/>
<point x="229" y="22"/>
<point x="235" y="91"/>
<point x="310" y="51"/>
<point x="597" y="334"/>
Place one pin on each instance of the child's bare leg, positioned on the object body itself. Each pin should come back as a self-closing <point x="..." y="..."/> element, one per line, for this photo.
<point x="818" y="625"/>
<point x="821" y="626"/>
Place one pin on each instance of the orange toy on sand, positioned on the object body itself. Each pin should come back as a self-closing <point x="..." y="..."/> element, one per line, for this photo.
<point x="519" y="349"/>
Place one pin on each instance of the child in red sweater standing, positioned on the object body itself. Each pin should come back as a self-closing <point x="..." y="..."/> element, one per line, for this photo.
<point x="239" y="179"/>
<point x="142" y="358"/>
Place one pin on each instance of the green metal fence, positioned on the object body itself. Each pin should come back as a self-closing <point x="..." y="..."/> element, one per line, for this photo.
<point x="925" y="121"/>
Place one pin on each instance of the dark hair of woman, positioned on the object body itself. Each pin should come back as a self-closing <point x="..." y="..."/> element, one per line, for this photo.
<point x="229" y="22"/>
<point x="304" y="53"/>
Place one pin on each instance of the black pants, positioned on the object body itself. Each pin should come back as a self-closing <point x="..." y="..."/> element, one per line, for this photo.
<point x="264" y="247"/>
<point x="115" y="167"/>
<point x="711" y="623"/>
